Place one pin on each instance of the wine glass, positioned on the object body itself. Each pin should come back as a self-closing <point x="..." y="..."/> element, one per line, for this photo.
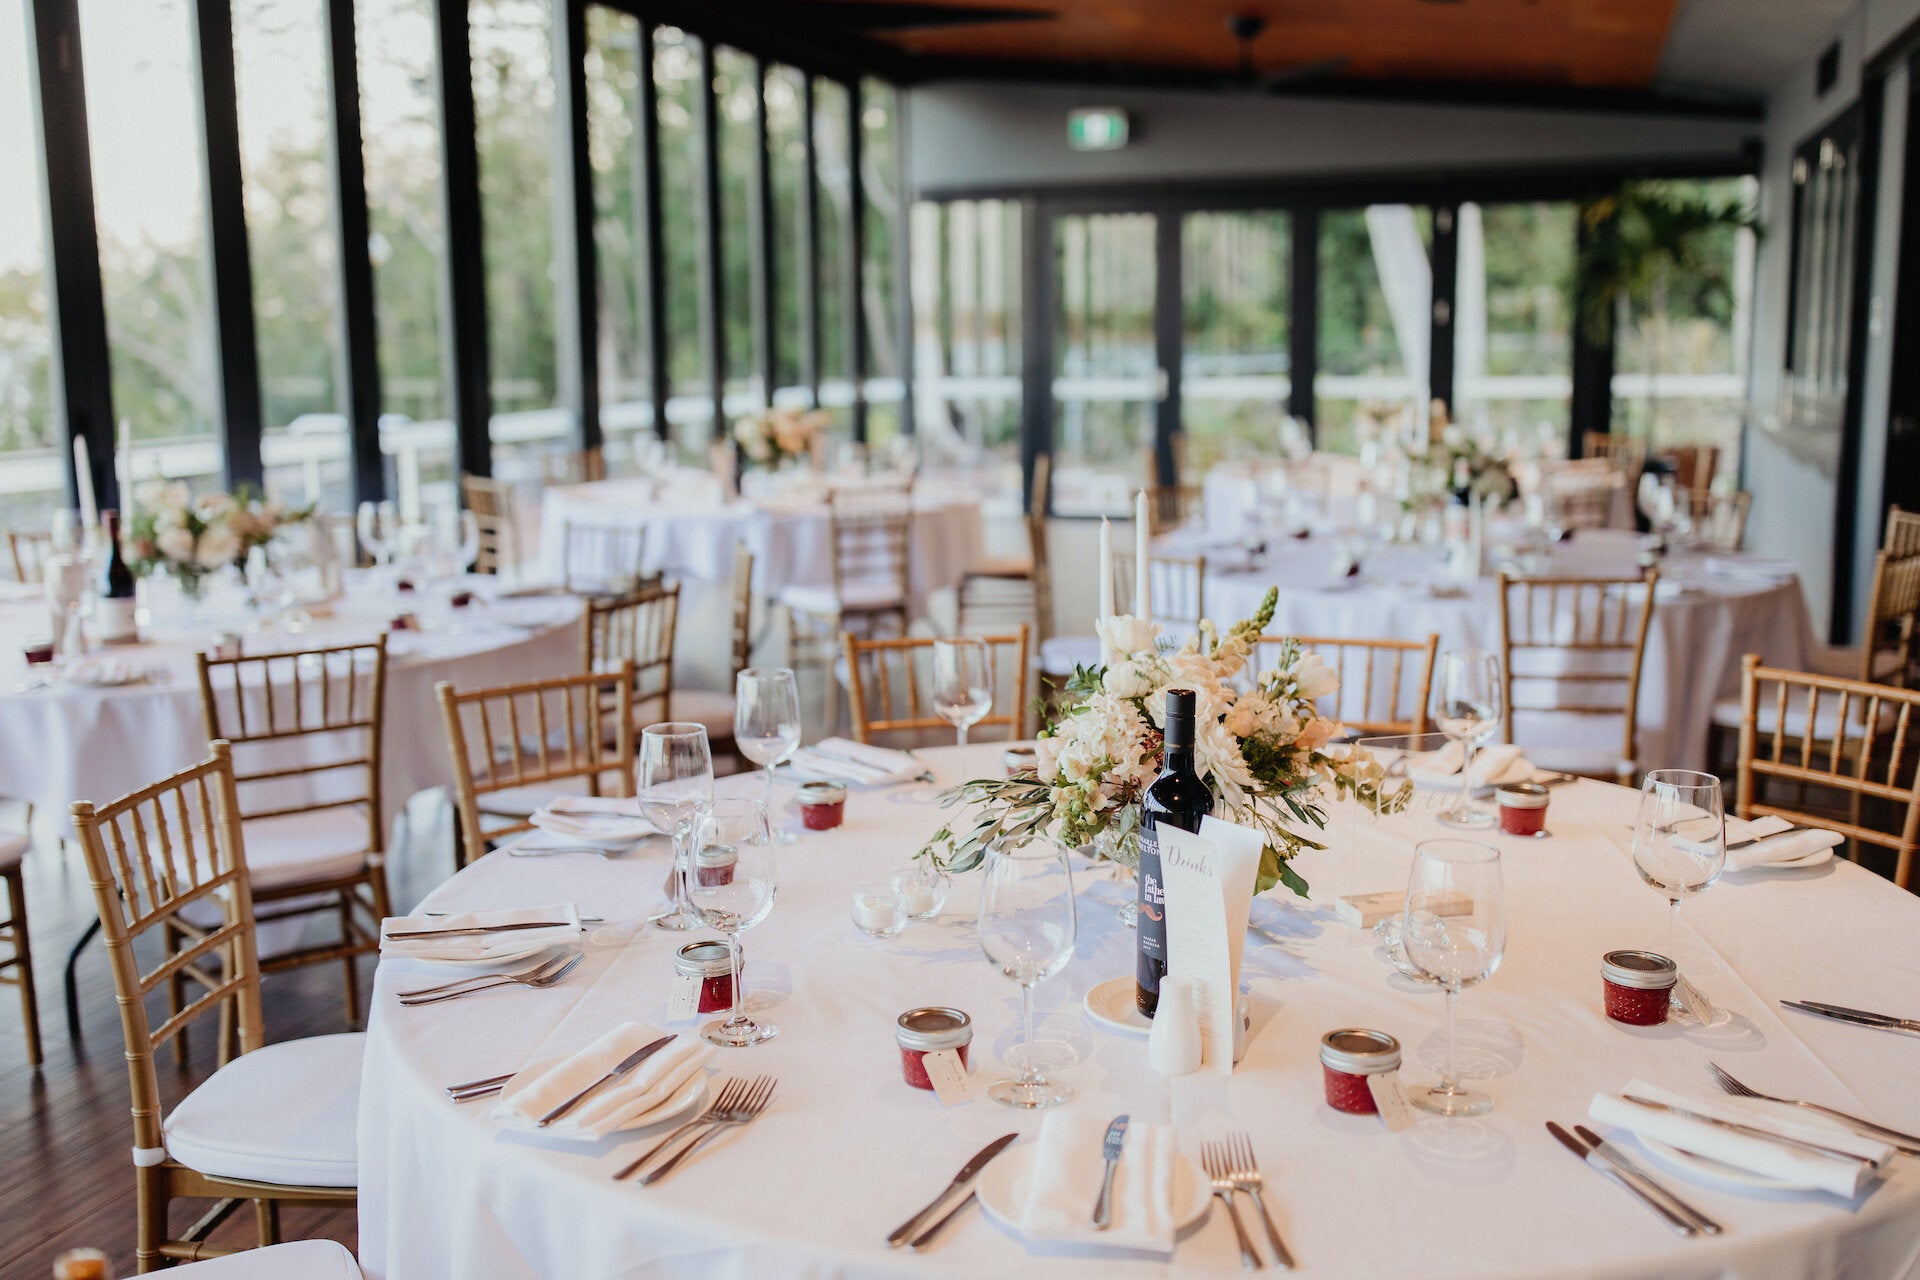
<point x="676" y="779"/>
<point x="377" y="524"/>
<point x="733" y="900"/>
<point x="1467" y="706"/>
<point x="1027" y="929"/>
<point x="1679" y="838"/>
<point x="1455" y="932"/>
<point x="766" y="723"/>
<point x="962" y="682"/>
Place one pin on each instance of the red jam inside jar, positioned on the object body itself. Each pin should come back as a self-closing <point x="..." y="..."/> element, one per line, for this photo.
<point x="823" y="805"/>
<point x="1638" y="986"/>
<point x="1347" y="1058"/>
<point x="920" y="1032"/>
<point x="1523" y="808"/>
<point x="38" y="653"/>
<point x="713" y="866"/>
<point x="708" y="961"/>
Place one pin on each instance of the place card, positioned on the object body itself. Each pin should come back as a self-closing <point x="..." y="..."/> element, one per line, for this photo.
<point x="1209" y="881"/>
<point x="1693" y="999"/>
<point x="683" y="1003"/>
<point x="1365" y="910"/>
<point x="949" y="1076"/>
<point x="1390" y="1100"/>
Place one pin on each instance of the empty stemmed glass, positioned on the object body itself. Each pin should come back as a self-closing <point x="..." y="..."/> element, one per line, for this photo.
<point x="1467" y="705"/>
<point x="1455" y="932"/>
<point x="1027" y="930"/>
<point x="733" y="900"/>
<point x="676" y="779"/>
<point x="766" y="724"/>
<point x="962" y="682"/>
<point x="377" y="524"/>
<point x="1679" y="838"/>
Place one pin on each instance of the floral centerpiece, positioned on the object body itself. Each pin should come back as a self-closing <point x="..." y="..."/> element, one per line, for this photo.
<point x="1455" y="454"/>
<point x="781" y="436"/>
<point x="190" y="538"/>
<point x="1260" y="744"/>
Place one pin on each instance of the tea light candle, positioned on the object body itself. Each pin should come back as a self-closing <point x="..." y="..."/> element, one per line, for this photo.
<point x="878" y="911"/>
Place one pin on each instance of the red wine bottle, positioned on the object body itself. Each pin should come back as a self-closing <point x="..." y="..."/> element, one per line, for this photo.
<point x="114" y="620"/>
<point x="1177" y="798"/>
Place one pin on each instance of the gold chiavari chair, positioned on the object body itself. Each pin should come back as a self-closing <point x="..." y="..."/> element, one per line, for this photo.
<point x="1022" y="582"/>
<point x="516" y="746"/>
<point x="1626" y="453"/>
<point x="1384" y="684"/>
<point x="637" y="627"/>
<point x="29" y="552"/>
<point x="1719" y="520"/>
<point x="870" y="531"/>
<point x="602" y="558"/>
<point x="307" y="729"/>
<point x="1179" y="586"/>
<point x="275" y="1124"/>
<point x="1888" y="654"/>
<point x="1851" y="737"/>
<point x="1171" y="506"/>
<point x="1903" y="533"/>
<point x="1694" y="466"/>
<point x="17" y="968"/>
<point x="575" y="466"/>
<point x="888" y="684"/>
<point x="1563" y="645"/>
<point x="491" y="502"/>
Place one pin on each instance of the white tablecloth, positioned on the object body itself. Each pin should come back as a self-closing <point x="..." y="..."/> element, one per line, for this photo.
<point x="1703" y="621"/>
<point x="67" y="743"/>
<point x="847" y="1151"/>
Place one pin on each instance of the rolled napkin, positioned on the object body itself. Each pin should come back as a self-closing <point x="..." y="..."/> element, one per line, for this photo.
<point x="1066" y="1181"/>
<point x="479" y="946"/>
<point x="856" y="762"/>
<point x="542" y="1086"/>
<point x="1840" y="1176"/>
<point x="1776" y="842"/>
<point x="1492" y="766"/>
<point x="593" y="818"/>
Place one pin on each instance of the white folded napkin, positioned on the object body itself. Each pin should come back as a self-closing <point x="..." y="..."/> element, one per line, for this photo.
<point x="1066" y="1181"/>
<point x="1755" y="1155"/>
<point x="593" y="818"/>
<point x="1492" y="765"/>
<point x="479" y="946"/>
<point x="542" y="1086"/>
<point x="857" y="762"/>
<point x="1773" y="847"/>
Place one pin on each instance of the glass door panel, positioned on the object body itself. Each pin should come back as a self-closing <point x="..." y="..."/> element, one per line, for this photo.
<point x="1107" y="382"/>
<point x="1376" y="304"/>
<point x="1235" y="362"/>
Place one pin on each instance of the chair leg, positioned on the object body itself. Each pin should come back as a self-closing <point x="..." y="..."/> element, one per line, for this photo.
<point x="23" y="959"/>
<point x="176" y="993"/>
<point x="266" y="1221"/>
<point x="150" y="1229"/>
<point x="350" y="968"/>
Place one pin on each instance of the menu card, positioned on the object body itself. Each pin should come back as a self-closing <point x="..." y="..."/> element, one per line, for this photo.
<point x="1209" y="881"/>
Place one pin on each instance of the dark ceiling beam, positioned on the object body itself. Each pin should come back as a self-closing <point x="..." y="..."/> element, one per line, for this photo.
<point x="769" y="28"/>
<point x="900" y="17"/>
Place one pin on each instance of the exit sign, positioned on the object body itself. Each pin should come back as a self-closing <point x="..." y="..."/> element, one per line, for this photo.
<point x="1097" y="129"/>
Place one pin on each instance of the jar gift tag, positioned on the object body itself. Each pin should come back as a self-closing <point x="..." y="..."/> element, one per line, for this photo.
<point x="683" y="1004"/>
<point x="1693" y="999"/>
<point x="949" y="1076"/>
<point x="1390" y="1100"/>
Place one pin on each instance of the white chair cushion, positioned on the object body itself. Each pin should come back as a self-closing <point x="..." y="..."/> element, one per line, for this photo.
<point x="709" y="707"/>
<point x="822" y="602"/>
<point x="296" y="1260"/>
<point x="1060" y="654"/>
<point x="283" y="1114"/>
<point x="1003" y="567"/>
<point x="301" y="847"/>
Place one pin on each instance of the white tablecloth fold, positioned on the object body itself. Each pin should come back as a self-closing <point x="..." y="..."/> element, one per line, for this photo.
<point x="542" y="1086"/>
<point x="1066" y="1181"/>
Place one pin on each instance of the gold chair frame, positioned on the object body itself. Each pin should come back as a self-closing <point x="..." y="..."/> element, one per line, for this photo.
<point x="638" y="628"/>
<point x="1903" y="533"/>
<point x="1179" y="585"/>
<point x="886" y="668"/>
<point x="1893" y="612"/>
<point x="622" y="543"/>
<point x="1036" y="571"/>
<point x="1340" y="652"/>
<point x="491" y="502"/>
<point x="575" y="466"/>
<point x="1709" y="510"/>
<point x="17" y="969"/>
<point x="29" y="553"/>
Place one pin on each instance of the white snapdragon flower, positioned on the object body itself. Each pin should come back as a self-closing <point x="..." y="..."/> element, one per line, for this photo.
<point x="1313" y="678"/>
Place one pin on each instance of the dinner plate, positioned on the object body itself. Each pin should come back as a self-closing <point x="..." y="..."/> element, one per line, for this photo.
<point x="1713" y="1171"/>
<point x="1004" y="1184"/>
<point x="688" y="1098"/>
<point x="481" y="962"/>
<point x="1111" y="1005"/>
<point x="613" y="832"/>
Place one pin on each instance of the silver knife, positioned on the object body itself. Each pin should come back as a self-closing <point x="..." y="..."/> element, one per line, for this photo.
<point x="1845" y="1014"/>
<point x="627" y="1064"/>
<point x="1613" y="1175"/>
<point x="482" y="928"/>
<point x="1752" y="1131"/>
<point x="1110" y="1152"/>
<point x="1613" y="1155"/>
<point x="967" y="1173"/>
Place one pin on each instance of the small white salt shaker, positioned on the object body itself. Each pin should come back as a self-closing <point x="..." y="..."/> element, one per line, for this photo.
<point x="1173" y="1046"/>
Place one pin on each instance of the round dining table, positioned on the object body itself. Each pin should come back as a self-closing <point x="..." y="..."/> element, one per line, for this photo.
<point x="62" y="741"/>
<point x="846" y="1150"/>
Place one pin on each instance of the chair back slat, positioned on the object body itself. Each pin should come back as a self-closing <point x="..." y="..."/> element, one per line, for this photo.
<point x="638" y="628"/>
<point x="574" y="466"/>
<point x="882" y="675"/>
<point x="1384" y="684"/>
<point x="740" y="628"/>
<point x="491" y="502"/>
<point x="602" y="558"/>
<point x="1178" y="583"/>
<point x="29" y="552"/>
<point x="1903" y="533"/>
<point x="1718" y="520"/>
<point x="870" y="529"/>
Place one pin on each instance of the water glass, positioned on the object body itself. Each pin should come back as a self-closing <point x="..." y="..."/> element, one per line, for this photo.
<point x="675" y="768"/>
<point x="766" y="723"/>
<point x="1455" y="932"/>
<point x="1468" y="702"/>
<point x="1679" y="838"/>
<point x="879" y="910"/>
<point x="377" y="524"/>
<point x="962" y="682"/>
<point x="736" y="904"/>
<point x="1027" y="928"/>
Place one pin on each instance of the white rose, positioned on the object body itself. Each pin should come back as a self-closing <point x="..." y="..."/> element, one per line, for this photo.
<point x="1125" y="680"/>
<point x="1046" y="760"/>
<point x="218" y="546"/>
<point x="1314" y="678"/>
<point x="1125" y="633"/>
<point x="175" y="544"/>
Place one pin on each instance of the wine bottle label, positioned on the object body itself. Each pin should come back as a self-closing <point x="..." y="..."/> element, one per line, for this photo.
<point x="1152" y="924"/>
<point x="114" y="620"/>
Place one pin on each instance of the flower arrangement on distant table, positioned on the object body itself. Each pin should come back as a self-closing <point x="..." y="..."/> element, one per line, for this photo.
<point x="174" y="532"/>
<point x="781" y="436"/>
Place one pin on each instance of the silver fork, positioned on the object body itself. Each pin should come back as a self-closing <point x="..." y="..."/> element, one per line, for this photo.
<point x="523" y="976"/>
<point x="722" y="1101"/>
<point x="1215" y="1162"/>
<point x="1906" y="1142"/>
<point x="745" y="1111"/>
<point x="540" y="983"/>
<point x="1245" y="1172"/>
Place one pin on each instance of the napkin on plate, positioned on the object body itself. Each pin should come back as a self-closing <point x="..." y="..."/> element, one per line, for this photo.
<point x="479" y="946"/>
<point x="1491" y="766"/>
<point x="1773" y="847"/>
<point x="1066" y="1181"/>
<point x="857" y="762"/>
<point x="542" y="1086"/>
<point x="593" y="818"/>
<point x="1754" y="1155"/>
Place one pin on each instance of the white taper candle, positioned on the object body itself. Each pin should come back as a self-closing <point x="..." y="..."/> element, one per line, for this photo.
<point x="1142" y="584"/>
<point x="1106" y="582"/>
<point x="83" y="482"/>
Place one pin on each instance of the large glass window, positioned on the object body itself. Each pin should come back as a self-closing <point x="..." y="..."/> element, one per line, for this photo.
<point x="32" y="453"/>
<point x="1107" y="384"/>
<point x="143" y="129"/>
<point x="280" y="64"/>
<point x="1376" y="306"/>
<point x="1235" y="361"/>
<point x="676" y="69"/>
<point x="830" y="107"/>
<point x="787" y="160"/>
<point x="1513" y="321"/>
<point x="880" y="188"/>
<point x="966" y="297"/>
<point x="736" y="90"/>
<point x="613" y="115"/>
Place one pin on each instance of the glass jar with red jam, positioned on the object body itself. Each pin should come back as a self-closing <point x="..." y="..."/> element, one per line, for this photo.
<point x="707" y="961"/>
<point x="1523" y="808"/>
<point x="920" y="1032"/>
<point x="1639" y="986"/>
<point x="822" y="805"/>
<point x="1347" y="1058"/>
<point x="713" y="865"/>
<point x="37" y="652"/>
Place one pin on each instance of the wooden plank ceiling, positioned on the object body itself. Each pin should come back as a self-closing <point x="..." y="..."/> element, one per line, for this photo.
<point x="1574" y="44"/>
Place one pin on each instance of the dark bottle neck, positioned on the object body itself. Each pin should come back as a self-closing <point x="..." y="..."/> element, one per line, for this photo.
<point x="1179" y="757"/>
